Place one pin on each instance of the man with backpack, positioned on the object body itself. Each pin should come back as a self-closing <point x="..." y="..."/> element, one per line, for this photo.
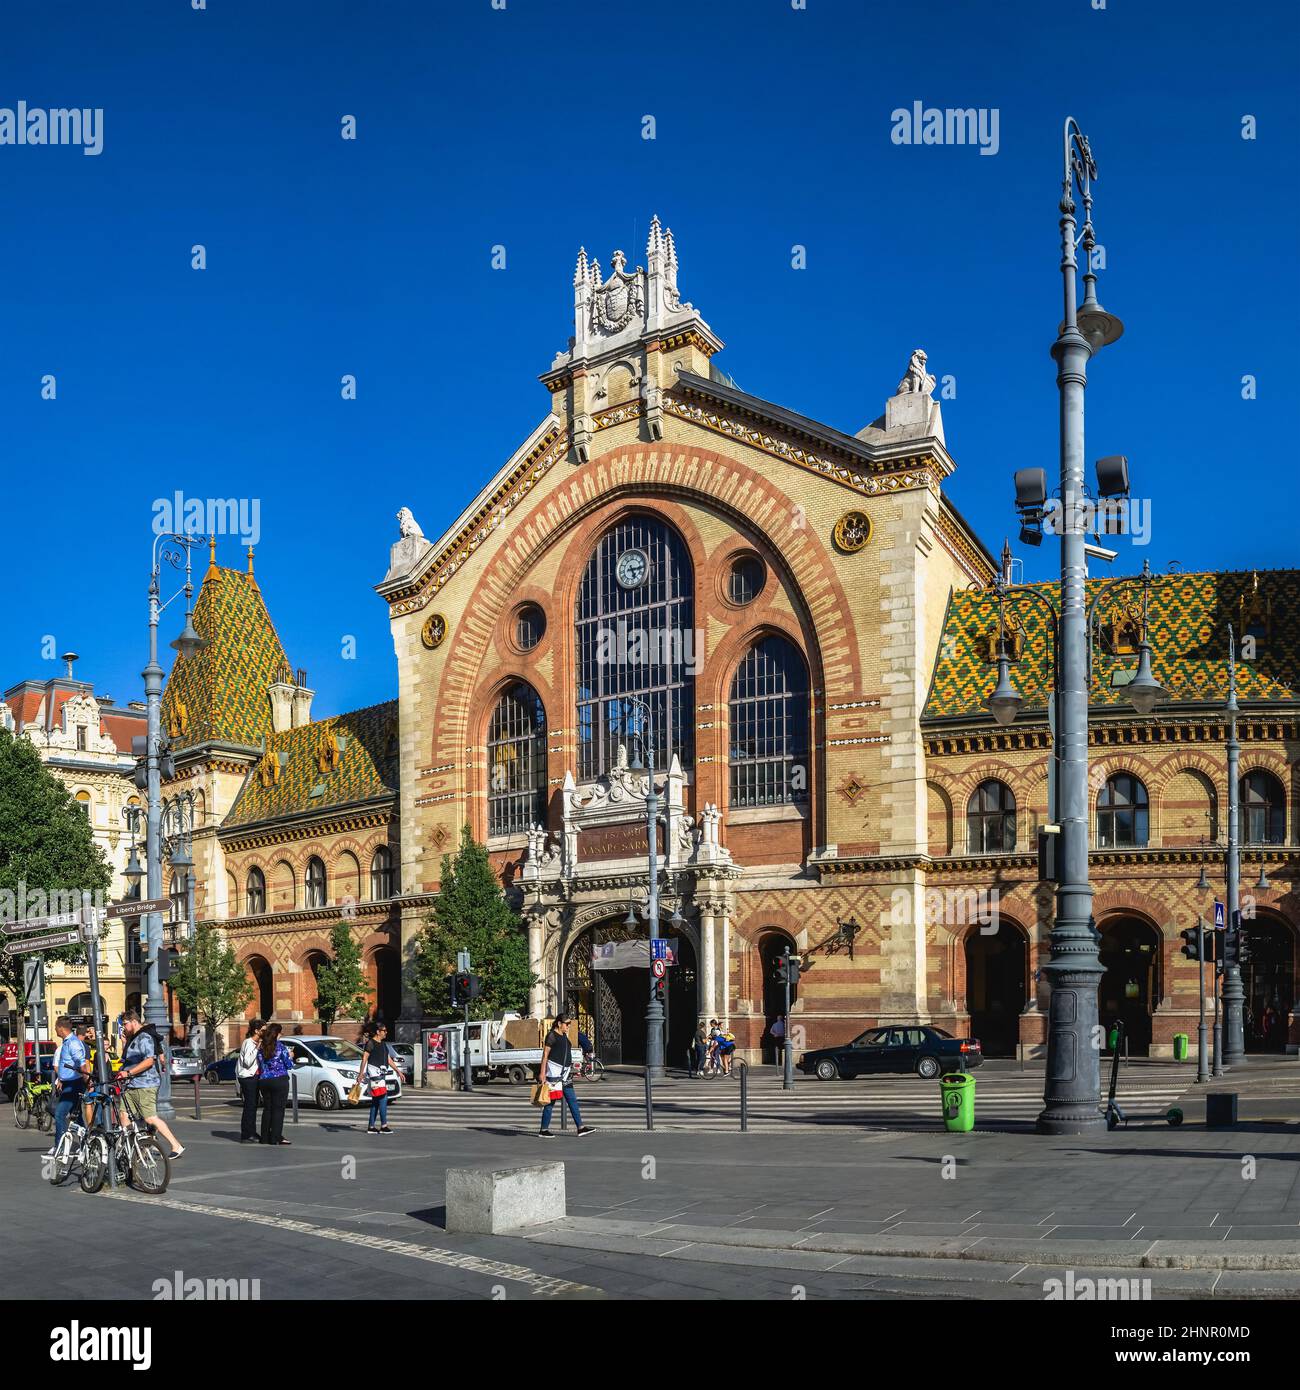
<point x="143" y="1058"/>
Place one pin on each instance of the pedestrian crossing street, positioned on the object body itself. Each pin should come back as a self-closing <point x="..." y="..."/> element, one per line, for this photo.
<point x="617" y="1102"/>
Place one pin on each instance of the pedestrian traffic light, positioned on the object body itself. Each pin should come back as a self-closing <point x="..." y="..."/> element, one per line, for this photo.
<point x="464" y="987"/>
<point x="1191" y="943"/>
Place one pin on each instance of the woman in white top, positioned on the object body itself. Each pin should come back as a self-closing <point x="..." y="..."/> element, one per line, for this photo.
<point x="246" y="1069"/>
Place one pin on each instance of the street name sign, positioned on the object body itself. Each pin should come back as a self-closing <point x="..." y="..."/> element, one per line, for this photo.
<point x="42" y="943"/>
<point x="59" y="919"/>
<point x="138" y="907"/>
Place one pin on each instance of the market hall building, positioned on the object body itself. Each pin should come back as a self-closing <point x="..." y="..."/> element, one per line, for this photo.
<point x="798" y="609"/>
<point x="807" y="618"/>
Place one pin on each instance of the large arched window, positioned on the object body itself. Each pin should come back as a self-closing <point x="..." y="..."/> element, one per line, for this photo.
<point x="1263" y="809"/>
<point x="991" y="819"/>
<point x="255" y="893"/>
<point x="1122" y="813"/>
<point x="769" y="726"/>
<point x="381" y="874"/>
<point x="314" y="883"/>
<point x="516" y="747"/>
<point x="635" y="629"/>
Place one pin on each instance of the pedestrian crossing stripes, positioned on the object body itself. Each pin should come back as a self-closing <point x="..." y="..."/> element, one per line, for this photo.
<point x="713" y="1106"/>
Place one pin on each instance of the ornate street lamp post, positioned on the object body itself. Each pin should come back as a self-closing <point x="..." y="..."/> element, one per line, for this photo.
<point x="171" y="548"/>
<point x="1234" y="993"/>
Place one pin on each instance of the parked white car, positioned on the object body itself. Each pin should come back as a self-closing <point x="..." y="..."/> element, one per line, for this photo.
<point x="327" y="1069"/>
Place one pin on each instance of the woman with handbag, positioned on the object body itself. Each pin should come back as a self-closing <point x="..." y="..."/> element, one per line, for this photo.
<point x="375" y="1060"/>
<point x="557" y="1076"/>
<point x="273" y="1067"/>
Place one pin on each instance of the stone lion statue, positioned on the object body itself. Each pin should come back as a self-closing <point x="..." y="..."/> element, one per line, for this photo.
<point x="407" y="524"/>
<point x="917" y="378"/>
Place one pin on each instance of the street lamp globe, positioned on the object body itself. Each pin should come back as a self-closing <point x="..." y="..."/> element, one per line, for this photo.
<point x="189" y="641"/>
<point x="1144" y="691"/>
<point x="1006" y="700"/>
<point x="1098" y="327"/>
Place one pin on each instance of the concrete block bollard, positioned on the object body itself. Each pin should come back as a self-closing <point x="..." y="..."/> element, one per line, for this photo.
<point x="489" y="1201"/>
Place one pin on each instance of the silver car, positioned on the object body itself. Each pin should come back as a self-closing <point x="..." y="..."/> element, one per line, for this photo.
<point x="186" y="1063"/>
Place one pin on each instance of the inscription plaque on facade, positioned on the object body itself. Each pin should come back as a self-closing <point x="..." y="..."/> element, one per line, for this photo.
<point x="623" y="841"/>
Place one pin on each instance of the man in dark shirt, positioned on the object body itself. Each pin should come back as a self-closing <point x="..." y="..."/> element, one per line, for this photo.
<point x="557" y="1071"/>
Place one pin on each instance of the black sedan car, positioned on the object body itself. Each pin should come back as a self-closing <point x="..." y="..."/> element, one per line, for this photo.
<point x="926" y="1051"/>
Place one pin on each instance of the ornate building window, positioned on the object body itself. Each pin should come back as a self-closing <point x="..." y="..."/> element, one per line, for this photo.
<point x="314" y="883"/>
<point x="1263" y="809"/>
<point x="179" y="912"/>
<point x="381" y="874"/>
<point x="255" y="893"/>
<point x="635" y="631"/>
<point x="1122" y="813"/>
<point x="991" y="819"/>
<point x="769" y="726"/>
<point x="530" y="627"/>
<point x="745" y="579"/>
<point x="516" y="746"/>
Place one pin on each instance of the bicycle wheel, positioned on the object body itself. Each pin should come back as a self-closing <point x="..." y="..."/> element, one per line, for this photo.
<point x="61" y="1162"/>
<point x="597" y="1069"/>
<point x="150" y="1168"/>
<point x="44" y="1109"/>
<point x="22" y="1108"/>
<point x="94" y="1163"/>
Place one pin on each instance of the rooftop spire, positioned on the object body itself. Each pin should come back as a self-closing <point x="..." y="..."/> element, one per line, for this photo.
<point x="250" y="566"/>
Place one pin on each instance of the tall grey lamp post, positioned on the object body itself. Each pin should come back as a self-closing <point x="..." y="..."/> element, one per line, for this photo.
<point x="177" y="825"/>
<point x="654" y="1013"/>
<point x="1072" y="1084"/>
<point x="172" y="549"/>
<point x="1234" y="994"/>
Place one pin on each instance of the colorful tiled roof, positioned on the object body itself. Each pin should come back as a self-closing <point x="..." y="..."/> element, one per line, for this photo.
<point x="220" y="693"/>
<point x="1188" y="623"/>
<point x="331" y="762"/>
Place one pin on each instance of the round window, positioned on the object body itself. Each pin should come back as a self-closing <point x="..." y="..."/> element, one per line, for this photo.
<point x="746" y="579"/>
<point x="530" y="627"/>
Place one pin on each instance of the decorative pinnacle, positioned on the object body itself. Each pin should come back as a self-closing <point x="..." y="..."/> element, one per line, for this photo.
<point x="580" y="274"/>
<point x="655" y="240"/>
<point x="670" y="248"/>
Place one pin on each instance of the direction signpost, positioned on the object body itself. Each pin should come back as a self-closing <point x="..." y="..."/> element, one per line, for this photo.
<point x="138" y="907"/>
<point x="47" y="942"/>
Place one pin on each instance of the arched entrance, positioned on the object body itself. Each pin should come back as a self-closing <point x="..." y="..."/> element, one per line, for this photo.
<point x="263" y="1001"/>
<point x="997" y="975"/>
<point x="1268" y="979"/>
<point x="610" y="1003"/>
<point x="1130" y="987"/>
<point x="770" y="949"/>
<point x="388" y="986"/>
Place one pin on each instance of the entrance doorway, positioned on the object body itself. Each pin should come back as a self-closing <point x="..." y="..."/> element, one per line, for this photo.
<point x="610" y="1004"/>
<point x="1130" y="956"/>
<point x="770" y="950"/>
<point x="1269" y="981"/>
<point x="996" y="985"/>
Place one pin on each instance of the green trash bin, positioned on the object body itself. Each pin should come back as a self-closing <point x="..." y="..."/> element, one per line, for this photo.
<point x="957" y="1092"/>
<point x="1180" y="1047"/>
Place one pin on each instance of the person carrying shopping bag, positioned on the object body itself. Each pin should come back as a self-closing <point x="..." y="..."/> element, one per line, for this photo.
<point x="557" y="1075"/>
<point x="376" y="1058"/>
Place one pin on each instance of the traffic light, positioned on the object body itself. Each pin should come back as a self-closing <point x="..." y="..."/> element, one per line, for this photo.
<point x="786" y="970"/>
<point x="1191" y="943"/>
<point x="464" y="987"/>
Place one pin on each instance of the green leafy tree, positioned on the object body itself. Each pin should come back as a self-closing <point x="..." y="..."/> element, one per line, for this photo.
<point x="472" y="915"/>
<point x="210" y="981"/>
<point x="48" y="854"/>
<point x="341" y="984"/>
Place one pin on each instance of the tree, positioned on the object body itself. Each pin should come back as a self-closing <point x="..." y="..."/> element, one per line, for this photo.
<point x="48" y="854"/>
<point x="341" y="983"/>
<point x="472" y="914"/>
<point x="208" y="978"/>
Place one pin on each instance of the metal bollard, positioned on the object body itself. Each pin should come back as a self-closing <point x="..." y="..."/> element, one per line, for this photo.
<point x="744" y="1097"/>
<point x="198" y="1108"/>
<point x="293" y="1091"/>
<point x="649" y="1101"/>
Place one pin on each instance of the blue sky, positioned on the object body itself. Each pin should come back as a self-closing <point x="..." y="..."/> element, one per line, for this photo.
<point x="523" y="128"/>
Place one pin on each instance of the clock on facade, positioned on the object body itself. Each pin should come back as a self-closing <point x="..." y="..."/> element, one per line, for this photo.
<point x="632" y="568"/>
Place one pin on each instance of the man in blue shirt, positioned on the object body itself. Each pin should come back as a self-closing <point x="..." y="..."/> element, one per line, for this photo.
<point x="142" y="1060"/>
<point x="71" y="1068"/>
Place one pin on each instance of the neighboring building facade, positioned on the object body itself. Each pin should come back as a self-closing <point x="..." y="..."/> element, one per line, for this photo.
<point x="86" y="742"/>
<point x="296" y="826"/>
